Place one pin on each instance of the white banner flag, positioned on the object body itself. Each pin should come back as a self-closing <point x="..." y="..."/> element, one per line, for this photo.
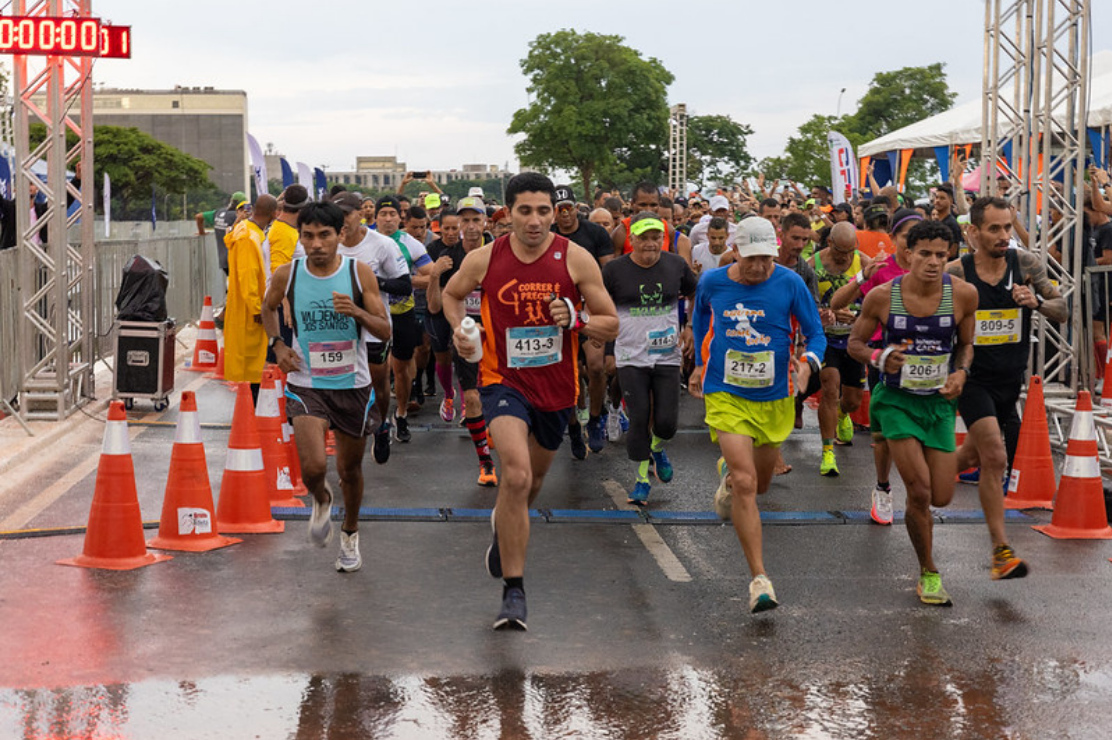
<point x="843" y="166"/>
<point x="258" y="165"/>
<point x="305" y="176"/>
<point x="107" y="193"/>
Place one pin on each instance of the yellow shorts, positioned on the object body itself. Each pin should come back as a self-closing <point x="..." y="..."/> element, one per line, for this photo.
<point x="767" y="422"/>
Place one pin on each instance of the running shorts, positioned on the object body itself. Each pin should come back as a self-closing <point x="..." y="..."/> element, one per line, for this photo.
<point x="350" y="411"/>
<point x="900" y="415"/>
<point x="767" y="422"/>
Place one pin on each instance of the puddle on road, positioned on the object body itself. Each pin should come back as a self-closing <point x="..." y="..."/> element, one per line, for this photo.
<point x="752" y="700"/>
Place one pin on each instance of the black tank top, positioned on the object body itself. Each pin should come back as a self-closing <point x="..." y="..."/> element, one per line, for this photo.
<point x="1000" y="346"/>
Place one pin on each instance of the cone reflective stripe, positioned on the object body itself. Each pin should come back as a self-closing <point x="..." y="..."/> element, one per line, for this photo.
<point x="114" y="537"/>
<point x="1079" y="512"/>
<point x="206" y="350"/>
<point x="1032" y="485"/>
<point x="244" y="505"/>
<point x="188" y="521"/>
<point x="276" y="459"/>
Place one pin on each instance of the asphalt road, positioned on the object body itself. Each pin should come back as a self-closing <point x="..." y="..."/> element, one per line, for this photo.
<point x="637" y="627"/>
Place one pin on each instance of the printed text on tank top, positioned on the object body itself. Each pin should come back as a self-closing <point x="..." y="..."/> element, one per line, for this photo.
<point x="926" y="339"/>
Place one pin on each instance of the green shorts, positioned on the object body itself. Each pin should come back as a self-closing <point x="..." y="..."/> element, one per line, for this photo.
<point x="900" y="415"/>
<point x="767" y="422"/>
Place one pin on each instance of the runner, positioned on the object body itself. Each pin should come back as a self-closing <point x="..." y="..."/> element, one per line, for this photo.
<point x="647" y="287"/>
<point x="449" y="252"/>
<point x="751" y="305"/>
<point x="335" y="305"/>
<point x="1010" y="283"/>
<point x="842" y="377"/>
<point x="531" y="281"/>
<point x="928" y="323"/>
<point x="875" y="275"/>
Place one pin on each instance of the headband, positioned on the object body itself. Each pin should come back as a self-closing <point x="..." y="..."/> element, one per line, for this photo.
<point x="905" y="219"/>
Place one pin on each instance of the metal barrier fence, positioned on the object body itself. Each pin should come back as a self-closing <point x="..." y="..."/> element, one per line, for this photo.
<point x="190" y="262"/>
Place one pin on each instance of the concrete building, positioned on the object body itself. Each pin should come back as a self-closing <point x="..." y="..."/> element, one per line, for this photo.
<point x="385" y="173"/>
<point x="210" y="124"/>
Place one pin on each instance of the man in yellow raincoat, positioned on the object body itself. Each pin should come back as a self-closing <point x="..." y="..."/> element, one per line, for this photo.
<point x="244" y="337"/>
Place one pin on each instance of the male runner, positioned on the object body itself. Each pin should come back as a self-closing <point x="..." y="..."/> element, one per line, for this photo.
<point x="928" y="324"/>
<point x="335" y="302"/>
<point x="1010" y="283"/>
<point x="842" y="377"/>
<point x="647" y="287"/>
<point x="531" y="281"/>
<point x="750" y="407"/>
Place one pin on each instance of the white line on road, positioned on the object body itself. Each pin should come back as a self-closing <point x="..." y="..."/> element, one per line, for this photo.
<point x="650" y="538"/>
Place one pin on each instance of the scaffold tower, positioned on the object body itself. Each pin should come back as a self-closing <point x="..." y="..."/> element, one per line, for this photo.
<point x="677" y="149"/>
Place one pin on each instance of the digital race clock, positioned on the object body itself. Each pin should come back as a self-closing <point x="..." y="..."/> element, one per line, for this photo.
<point x="64" y="37"/>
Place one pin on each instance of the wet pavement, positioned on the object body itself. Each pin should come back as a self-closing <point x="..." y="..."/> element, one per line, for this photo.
<point x="637" y="628"/>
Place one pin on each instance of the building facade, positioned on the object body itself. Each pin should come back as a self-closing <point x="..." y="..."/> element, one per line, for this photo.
<point x="386" y="173"/>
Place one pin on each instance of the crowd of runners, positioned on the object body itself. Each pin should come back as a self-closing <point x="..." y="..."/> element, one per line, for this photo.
<point x="594" y="315"/>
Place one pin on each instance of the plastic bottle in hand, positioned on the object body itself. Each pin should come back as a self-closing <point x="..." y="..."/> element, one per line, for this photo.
<point x="471" y="332"/>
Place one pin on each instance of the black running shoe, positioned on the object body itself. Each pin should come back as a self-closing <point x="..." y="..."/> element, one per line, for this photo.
<point x="493" y="555"/>
<point x="401" y="429"/>
<point x="382" y="444"/>
<point x="578" y="446"/>
<point x="512" y="616"/>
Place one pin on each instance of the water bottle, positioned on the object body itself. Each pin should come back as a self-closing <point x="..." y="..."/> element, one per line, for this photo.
<point x="471" y="332"/>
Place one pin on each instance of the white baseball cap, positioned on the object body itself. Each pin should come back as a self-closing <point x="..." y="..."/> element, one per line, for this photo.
<point x="719" y="202"/>
<point x="755" y="237"/>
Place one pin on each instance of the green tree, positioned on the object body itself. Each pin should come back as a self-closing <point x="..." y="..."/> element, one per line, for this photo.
<point x="717" y="149"/>
<point x="807" y="154"/>
<point x="597" y="107"/>
<point x="897" y="99"/>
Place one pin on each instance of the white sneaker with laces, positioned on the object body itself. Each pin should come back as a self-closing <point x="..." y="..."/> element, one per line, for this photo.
<point x="349" y="560"/>
<point x="723" y="497"/>
<point x="881" y="513"/>
<point x="761" y="595"/>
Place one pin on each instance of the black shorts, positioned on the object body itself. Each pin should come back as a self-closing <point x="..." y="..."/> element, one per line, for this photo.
<point x="439" y="331"/>
<point x="378" y="352"/>
<point x="852" y="371"/>
<point x="980" y="399"/>
<point x="350" y="411"/>
<point x="547" y="427"/>
<point x="406" y="335"/>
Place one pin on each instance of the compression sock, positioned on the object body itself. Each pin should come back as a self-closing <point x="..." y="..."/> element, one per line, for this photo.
<point x="643" y="471"/>
<point x="885" y="486"/>
<point x="444" y="375"/>
<point x="476" y="427"/>
<point x="657" y="445"/>
<point x="827" y="444"/>
<point x="508" y="583"/>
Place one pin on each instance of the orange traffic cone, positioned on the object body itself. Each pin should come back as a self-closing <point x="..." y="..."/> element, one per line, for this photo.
<point x="276" y="459"/>
<point x="188" y="522"/>
<point x="114" y="537"/>
<point x="206" y="350"/>
<point x="218" y="373"/>
<point x="244" y="505"/>
<point x="1032" y="483"/>
<point x="289" y="443"/>
<point x="860" y="417"/>
<point x="1079" y="512"/>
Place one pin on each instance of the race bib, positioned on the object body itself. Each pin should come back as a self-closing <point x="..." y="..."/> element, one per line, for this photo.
<point x="923" y="373"/>
<point x="749" y="369"/>
<point x="533" y="346"/>
<point x="329" y="359"/>
<point x="473" y="304"/>
<point x="662" y="341"/>
<point x="997" y="327"/>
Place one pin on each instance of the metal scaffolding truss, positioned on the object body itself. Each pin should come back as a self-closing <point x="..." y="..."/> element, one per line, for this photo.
<point x="677" y="149"/>
<point x="57" y="331"/>
<point x="1035" y="104"/>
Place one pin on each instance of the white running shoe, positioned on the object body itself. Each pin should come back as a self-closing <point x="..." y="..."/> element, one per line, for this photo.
<point x="723" y="497"/>
<point x="320" y="521"/>
<point x="613" y="425"/>
<point x="881" y="512"/>
<point x="761" y="596"/>
<point x="349" y="560"/>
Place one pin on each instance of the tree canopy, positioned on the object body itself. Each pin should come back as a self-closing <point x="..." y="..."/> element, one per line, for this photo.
<point x="716" y="149"/>
<point x="597" y="107"/>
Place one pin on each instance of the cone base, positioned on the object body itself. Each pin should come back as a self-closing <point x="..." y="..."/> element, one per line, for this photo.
<point x="139" y="561"/>
<point x="300" y="490"/>
<point x="200" y="368"/>
<point x="1024" y="503"/>
<point x="1071" y="533"/>
<point x="271" y="527"/>
<point x="204" y="543"/>
<point x="287" y="503"/>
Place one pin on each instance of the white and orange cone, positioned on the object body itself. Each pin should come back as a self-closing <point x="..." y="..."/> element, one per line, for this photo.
<point x="206" y="350"/>
<point x="244" y="505"/>
<point x="276" y="458"/>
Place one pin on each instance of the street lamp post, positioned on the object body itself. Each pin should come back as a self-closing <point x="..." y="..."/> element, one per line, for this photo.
<point x="838" y="111"/>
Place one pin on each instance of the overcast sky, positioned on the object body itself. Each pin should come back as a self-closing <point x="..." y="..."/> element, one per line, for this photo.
<point x="437" y="83"/>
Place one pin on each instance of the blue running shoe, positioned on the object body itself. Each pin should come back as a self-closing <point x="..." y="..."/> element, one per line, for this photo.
<point x="596" y="435"/>
<point x="972" y="477"/>
<point x="639" y="496"/>
<point x="623" y="420"/>
<point x="512" y="616"/>
<point x="663" y="466"/>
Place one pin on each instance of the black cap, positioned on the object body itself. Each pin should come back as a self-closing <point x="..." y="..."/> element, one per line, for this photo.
<point x="564" y="194"/>
<point x="388" y="201"/>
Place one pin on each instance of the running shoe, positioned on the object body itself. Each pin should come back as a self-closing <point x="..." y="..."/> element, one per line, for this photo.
<point x="596" y="435"/>
<point x="583" y="415"/>
<point x="349" y="559"/>
<point x="623" y="420"/>
<point x="401" y="429"/>
<point x="487" y="476"/>
<point x="723" y="503"/>
<point x="448" y="409"/>
<point x="930" y="589"/>
<point x="639" y="496"/>
<point x="512" y="616"/>
<point x="845" y="429"/>
<point x="493" y="555"/>
<point x="578" y="446"/>
<point x="761" y="596"/>
<point x="881" y="513"/>
<point x="382" y="444"/>
<point x="1006" y="565"/>
<point x="663" y="466"/>
<point x="973" y="477"/>
<point x="613" y="426"/>
<point x="829" y="465"/>
<point x="320" y="521"/>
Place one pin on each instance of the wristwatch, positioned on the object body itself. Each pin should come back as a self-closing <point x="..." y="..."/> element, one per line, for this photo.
<point x="271" y="342"/>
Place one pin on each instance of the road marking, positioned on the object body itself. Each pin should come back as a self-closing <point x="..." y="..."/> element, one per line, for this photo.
<point x="37" y="505"/>
<point x="650" y="538"/>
